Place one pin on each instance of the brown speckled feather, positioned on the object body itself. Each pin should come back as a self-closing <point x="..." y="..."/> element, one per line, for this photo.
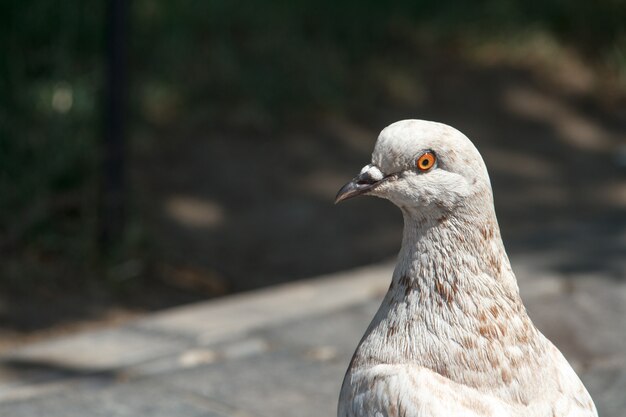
<point x="451" y="337"/>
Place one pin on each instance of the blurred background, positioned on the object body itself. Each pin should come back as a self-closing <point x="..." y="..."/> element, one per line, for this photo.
<point x="154" y="153"/>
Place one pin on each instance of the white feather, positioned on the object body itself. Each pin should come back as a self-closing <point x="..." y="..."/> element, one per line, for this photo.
<point x="452" y="337"/>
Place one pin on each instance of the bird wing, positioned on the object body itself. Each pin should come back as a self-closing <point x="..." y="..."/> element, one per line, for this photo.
<point x="573" y="399"/>
<point x="406" y="390"/>
<point x="411" y="391"/>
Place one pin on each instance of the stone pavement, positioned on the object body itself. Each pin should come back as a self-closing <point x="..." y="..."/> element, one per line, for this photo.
<point x="282" y="351"/>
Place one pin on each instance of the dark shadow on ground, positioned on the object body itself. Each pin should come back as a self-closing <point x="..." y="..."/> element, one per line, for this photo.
<point x="228" y="209"/>
<point x="44" y="371"/>
<point x="254" y="208"/>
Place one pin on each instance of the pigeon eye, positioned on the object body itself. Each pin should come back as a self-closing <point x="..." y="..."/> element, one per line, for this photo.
<point x="426" y="161"/>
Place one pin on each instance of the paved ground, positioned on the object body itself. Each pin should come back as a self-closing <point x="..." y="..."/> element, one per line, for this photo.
<point x="283" y="351"/>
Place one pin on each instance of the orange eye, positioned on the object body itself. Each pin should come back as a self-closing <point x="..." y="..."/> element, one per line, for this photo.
<point x="426" y="161"/>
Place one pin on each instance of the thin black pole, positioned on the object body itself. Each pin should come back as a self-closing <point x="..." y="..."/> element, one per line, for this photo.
<point x="112" y="217"/>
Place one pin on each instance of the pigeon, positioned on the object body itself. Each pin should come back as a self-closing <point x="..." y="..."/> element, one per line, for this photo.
<point x="452" y="336"/>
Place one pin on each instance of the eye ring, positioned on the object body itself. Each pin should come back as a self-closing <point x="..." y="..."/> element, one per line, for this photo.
<point x="426" y="161"/>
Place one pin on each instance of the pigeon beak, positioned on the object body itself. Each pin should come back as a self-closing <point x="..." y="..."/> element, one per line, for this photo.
<point x="369" y="177"/>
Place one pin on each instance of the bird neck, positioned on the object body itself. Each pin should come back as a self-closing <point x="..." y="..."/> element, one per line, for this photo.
<point x="453" y="306"/>
<point x="453" y="252"/>
<point x="453" y="298"/>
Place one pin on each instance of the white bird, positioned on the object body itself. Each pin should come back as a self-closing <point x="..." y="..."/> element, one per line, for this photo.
<point x="451" y="337"/>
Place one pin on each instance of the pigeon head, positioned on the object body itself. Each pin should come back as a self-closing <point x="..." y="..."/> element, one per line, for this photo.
<point x="422" y="167"/>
